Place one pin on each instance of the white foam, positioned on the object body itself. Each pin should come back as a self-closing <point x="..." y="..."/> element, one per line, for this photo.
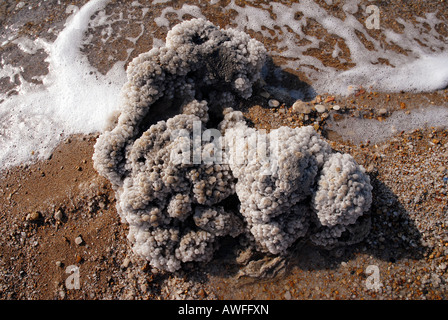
<point x="425" y="49"/>
<point x="363" y="130"/>
<point x="74" y="98"/>
<point x="192" y="10"/>
<point x="427" y="73"/>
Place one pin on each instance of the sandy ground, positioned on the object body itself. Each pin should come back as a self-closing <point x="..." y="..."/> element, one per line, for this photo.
<point x="59" y="213"/>
<point x="47" y="205"/>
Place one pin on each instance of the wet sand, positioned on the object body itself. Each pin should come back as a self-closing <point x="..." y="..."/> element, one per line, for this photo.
<point x="46" y="206"/>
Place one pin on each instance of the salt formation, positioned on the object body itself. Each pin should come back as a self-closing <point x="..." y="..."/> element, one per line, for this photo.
<point x="271" y="192"/>
<point x="158" y="196"/>
<point x="275" y="194"/>
<point x="178" y="208"/>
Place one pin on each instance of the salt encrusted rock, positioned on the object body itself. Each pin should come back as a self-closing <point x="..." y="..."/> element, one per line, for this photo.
<point x="217" y="221"/>
<point x="271" y="189"/>
<point x="343" y="193"/>
<point x="151" y="164"/>
<point x="196" y="246"/>
<point x="173" y="204"/>
<point x="329" y="238"/>
<point x="343" y="196"/>
<point x="199" y="61"/>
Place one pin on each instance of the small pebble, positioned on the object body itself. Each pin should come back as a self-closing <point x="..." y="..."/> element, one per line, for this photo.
<point x="320" y="108"/>
<point x="33" y="216"/>
<point x="273" y="103"/>
<point x="58" y="215"/>
<point x="125" y="263"/>
<point x="336" y="108"/>
<point x="265" y="94"/>
<point x="382" y="111"/>
<point x="301" y="107"/>
<point x="79" y="240"/>
<point x="78" y="259"/>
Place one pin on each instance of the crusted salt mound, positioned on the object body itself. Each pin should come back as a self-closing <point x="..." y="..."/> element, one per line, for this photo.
<point x="200" y="61"/>
<point x="289" y="183"/>
<point x="146" y="153"/>
<point x="163" y="190"/>
<point x="343" y="196"/>
<point x="217" y="221"/>
<point x="344" y="191"/>
<point x="298" y="181"/>
<point x="273" y="187"/>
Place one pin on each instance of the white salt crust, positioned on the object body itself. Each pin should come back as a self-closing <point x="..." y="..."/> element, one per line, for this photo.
<point x="177" y="209"/>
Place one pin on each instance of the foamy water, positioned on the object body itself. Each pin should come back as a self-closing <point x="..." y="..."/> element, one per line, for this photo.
<point x="75" y="98"/>
<point x="363" y="130"/>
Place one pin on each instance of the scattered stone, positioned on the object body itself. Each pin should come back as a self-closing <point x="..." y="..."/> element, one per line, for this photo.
<point x="59" y="264"/>
<point x="336" y="107"/>
<point x="79" y="241"/>
<point x="301" y="107"/>
<point x="320" y="108"/>
<point x="382" y="111"/>
<point x="125" y="263"/>
<point x="58" y="215"/>
<point x="273" y="103"/>
<point x="202" y="293"/>
<point x="265" y="94"/>
<point x="266" y="268"/>
<point x="287" y="295"/>
<point x="33" y="216"/>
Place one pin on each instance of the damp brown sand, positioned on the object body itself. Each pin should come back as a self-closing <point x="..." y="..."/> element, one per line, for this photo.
<point x="408" y="242"/>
